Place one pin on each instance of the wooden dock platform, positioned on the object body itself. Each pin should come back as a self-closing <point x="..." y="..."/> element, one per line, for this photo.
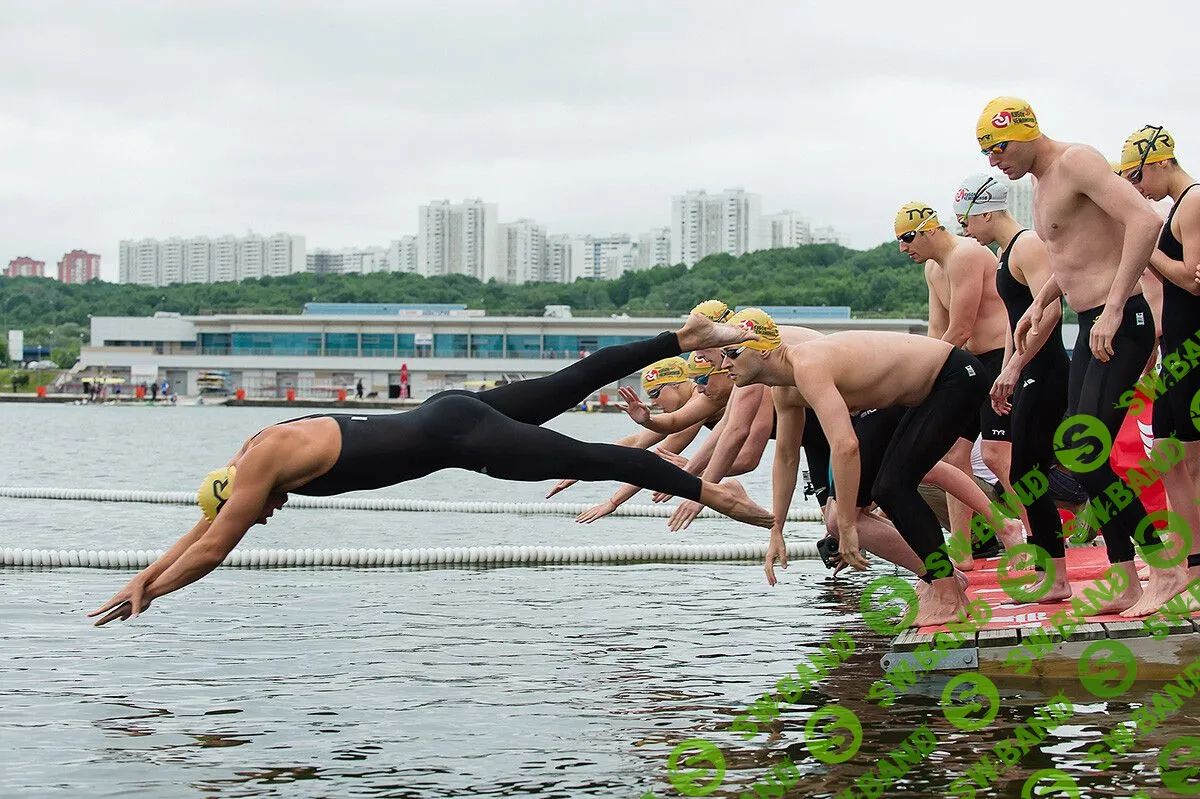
<point x="1022" y="641"/>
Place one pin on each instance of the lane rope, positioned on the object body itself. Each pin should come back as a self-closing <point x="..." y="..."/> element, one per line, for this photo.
<point x="444" y="557"/>
<point x="369" y="503"/>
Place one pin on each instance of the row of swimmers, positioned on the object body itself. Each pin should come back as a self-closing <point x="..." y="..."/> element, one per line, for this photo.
<point x="886" y="411"/>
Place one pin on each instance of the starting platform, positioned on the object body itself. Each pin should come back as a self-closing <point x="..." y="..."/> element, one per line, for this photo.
<point x="1022" y="640"/>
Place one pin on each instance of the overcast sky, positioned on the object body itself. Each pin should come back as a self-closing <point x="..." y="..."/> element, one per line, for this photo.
<point x="336" y="120"/>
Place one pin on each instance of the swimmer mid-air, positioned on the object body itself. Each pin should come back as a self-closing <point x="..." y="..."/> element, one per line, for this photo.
<point x="495" y="432"/>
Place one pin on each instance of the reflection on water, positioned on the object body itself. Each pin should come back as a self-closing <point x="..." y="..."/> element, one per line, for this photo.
<point x="563" y="681"/>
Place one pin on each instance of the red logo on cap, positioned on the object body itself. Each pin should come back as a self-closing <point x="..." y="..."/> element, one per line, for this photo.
<point x="747" y="325"/>
<point x="1002" y="120"/>
<point x="958" y="196"/>
<point x="652" y="375"/>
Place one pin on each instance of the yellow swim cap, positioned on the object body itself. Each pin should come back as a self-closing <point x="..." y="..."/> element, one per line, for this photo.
<point x="756" y="320"/>
<point x="698" y="366"/>
<point x="664" y="373"/>
<point x="1153" y="141"/>
<point x="215" y="490"/>
<point x="916" y="216"/>
<point x="713" y="309"/>
<point x="1006" y="119"/>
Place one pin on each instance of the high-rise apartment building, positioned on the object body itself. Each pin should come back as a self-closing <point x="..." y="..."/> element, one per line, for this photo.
<point x="25" y="267"/>
<point x="1020" y="201"/>
<point x="703" y="224"/>
<point x="522" y="252"/>
<point x="458" y="239"/>
<point x="151" y="262"/>
<point x="601" y="257"/>
<point x="402" y="255"/>
<point x="787" y="229"/>
<point x="558" y="259"/>
<point x="653" y="248"/>
<point x="79" y="266"/>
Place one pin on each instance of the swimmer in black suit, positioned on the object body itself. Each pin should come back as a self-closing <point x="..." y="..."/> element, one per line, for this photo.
<point x="495" y="432"/>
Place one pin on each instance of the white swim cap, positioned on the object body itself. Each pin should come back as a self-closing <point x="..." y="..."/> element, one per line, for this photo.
<point x="979" y="194"/>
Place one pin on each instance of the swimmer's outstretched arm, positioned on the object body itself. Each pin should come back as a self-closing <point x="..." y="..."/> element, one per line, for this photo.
<point x="693" y="412"/>
<point x="202" y="553"/>
<point x="133" y="595"/>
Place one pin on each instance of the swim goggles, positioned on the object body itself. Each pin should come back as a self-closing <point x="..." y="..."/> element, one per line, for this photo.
<point x="911" y="235"/>
<point x="1135" y="177"/>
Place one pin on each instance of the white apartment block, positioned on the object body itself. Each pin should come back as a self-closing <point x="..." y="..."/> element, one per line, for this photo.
<point x="787" y="229"/>
<point x="1020" y="201"/>
<point x="170" y="261"/>
<point x="198" y="260"/>
<point x="347" y="261"/>
<point x="558" y="259"/>
<point x="402" y="255"/>
<point x="703" y="224"/>
<point x="126" y="261"/>
<point x="826" y="235"/>
<point x="601" y="257"/>
<point x="224" y="259"/>
<point x="653" y="248"/>
<point x="522" y="252"/>
<point x="150" y="262"/>
<point x="458" y="239"/>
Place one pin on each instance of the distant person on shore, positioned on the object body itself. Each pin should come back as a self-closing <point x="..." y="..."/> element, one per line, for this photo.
<point x="358" y="390"/>
<point x="154" y="391"/>
<point x="496" y="433"/>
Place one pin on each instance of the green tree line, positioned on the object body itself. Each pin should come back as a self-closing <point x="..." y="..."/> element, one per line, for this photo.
<point x="877" y="282"/>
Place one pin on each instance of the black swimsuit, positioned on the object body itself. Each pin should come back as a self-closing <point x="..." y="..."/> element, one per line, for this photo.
<point x="1038" y="405"/>
<point x="1181" y="318"/>
<point x="497" y="433"/>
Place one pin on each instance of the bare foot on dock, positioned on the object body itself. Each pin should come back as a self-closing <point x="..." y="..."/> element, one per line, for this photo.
<point x="1127" y="598"/>
<point x="702" y="333"/>
<point x="1163" y="586"/>
<point x="943" y="603"/>
<point x="730" y="498"/>
<point x="1058" y="591"/>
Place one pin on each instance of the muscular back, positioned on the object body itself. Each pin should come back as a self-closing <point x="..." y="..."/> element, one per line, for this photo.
<point x="964" y="306"/>
<point x="873" y="369"/>
<point x="1084" y="243"/>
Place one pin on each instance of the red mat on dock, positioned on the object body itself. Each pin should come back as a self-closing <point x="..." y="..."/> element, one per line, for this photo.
<point x="1085" y="565"/>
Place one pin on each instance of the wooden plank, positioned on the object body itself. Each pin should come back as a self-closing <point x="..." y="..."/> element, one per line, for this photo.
<point x="1180" y="626"/>
<point x="995" y="638"/>
<point x="909" y="640"/>
<point x="1088" y="632"/>
<point x="1125" y="629"/>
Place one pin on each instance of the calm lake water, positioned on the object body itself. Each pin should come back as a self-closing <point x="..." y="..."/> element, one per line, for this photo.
<point x="557" y="681"/>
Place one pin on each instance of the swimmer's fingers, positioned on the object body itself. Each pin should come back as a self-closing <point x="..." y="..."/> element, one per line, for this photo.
<point x="596" y="512"/>
<point x="118" y="599"/>
<point x="672" y="457"/>
<point x="561" y="485"/>
<point x="121" y="612"/>
<point x="683" y="515"/>
<point x="659" y="496"/>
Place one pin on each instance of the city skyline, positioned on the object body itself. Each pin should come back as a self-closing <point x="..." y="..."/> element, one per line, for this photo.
<point x="467" y="238"/>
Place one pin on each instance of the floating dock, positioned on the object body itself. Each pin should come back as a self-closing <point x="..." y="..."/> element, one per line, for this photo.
<point x="1021" y="640"/>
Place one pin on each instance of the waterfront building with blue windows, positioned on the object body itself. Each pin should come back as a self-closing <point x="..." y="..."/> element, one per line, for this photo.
<point x="426" y="348"/>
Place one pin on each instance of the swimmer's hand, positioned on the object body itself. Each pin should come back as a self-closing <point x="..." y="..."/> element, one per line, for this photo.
<point x="122" y="605"/>
<point x="596" y="512"/>
<point x="671" y="457"/>
<point x="561" y="485"/>
<point x="638" y="411"/>
<point x="1003" y="388"/>
<point x="776" y="550"/>
<point x="1027" y="326"/>
<point x="659" y="496"/>
<point x="683" y="515"/>
<point x="1103" y="333"/>
<point x="848" y="548"/>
